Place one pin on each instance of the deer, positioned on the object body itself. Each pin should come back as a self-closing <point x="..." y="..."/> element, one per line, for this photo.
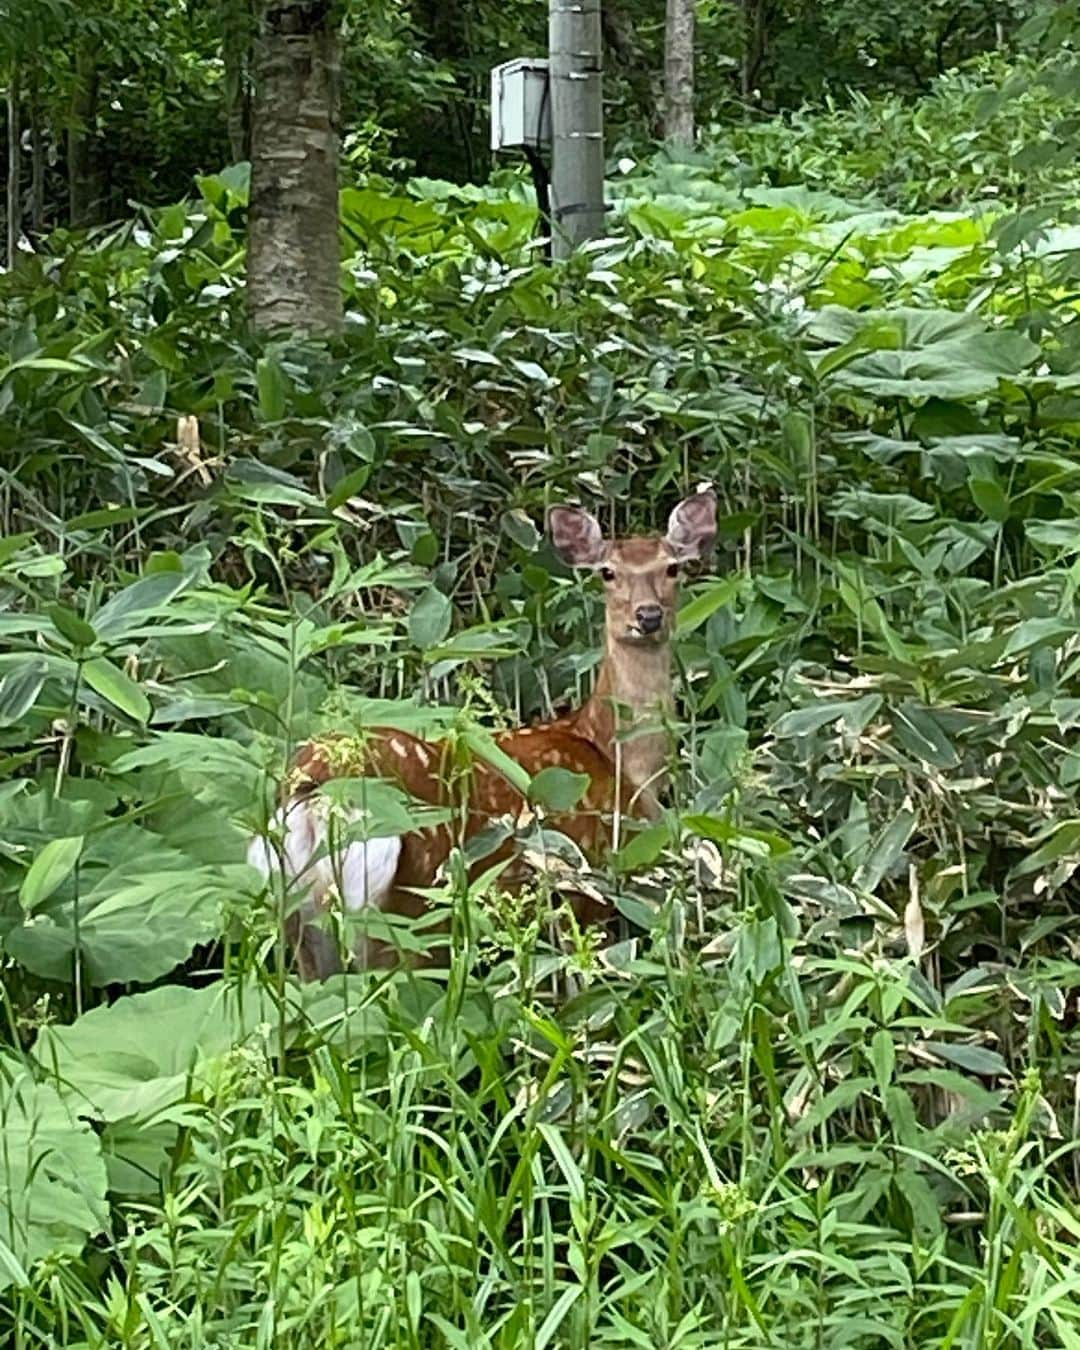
<point x="620" y="738"/>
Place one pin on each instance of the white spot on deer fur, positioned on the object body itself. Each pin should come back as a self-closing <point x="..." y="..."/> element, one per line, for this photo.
<point x="422" y="755"/>
<point x="398" y="747"/>
<point x="362" y="871"/>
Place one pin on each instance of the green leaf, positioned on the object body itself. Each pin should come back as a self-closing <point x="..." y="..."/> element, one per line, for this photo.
<point x="565" y="1159"/>
<point x="643" y="848"/>
<point x="886" y="851"/>
<point x="102" y="518"/>
<point x="919" y="731"/>
<point x="484" y="746"/>
<point x="558" y="789"/>
<point x="111" y="683"/>
<point x="52" y="1181"/>
<point x="974" y="1058"/>
<point x="883" y="1058"/>
<point x="518" y="527"/>
<point x="52" y="866"/>
<point x="923" y="1203"/>
<point x="132" y="1058"/>
<point x="913" y="353"/>
<point x="68" y="624"/>
<point x="989" y="498"/>
<point x="804" y="721"/>
<point x="1062" y="840"/>
<point x="135" y="919"/>
<point x="19" y="690"/>
<point x="377" y="809"/>
<point x="149" y="595"/>
<point x="430" y="618"/>
<point x="758" y="843"/>
<point x="270" y="382"/>
<point x="693" y="614"/>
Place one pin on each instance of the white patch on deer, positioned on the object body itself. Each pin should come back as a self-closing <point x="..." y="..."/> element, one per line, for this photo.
<point x="362" y="871"/>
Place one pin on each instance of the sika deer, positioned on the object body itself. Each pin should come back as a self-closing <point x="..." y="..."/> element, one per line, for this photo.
<point x="618" y="737"/>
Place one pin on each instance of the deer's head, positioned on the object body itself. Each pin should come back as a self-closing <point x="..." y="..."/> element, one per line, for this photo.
<point x="640" y="573"/>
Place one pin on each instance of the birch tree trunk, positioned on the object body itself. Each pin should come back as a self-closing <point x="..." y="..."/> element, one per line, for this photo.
<point x="294" y="253"/>
<point x="679" y="73"/>
<point x="13" y="204"/>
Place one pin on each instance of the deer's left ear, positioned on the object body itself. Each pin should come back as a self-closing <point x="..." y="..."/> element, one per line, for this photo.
<point x="691" y="530"/>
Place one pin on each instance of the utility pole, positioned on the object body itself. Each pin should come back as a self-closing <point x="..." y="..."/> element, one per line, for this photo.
<point x="575" y="51"/>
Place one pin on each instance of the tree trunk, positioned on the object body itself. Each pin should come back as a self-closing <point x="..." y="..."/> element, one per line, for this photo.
<point x="86" y="194"/>
<point x="577" y="123"/>
<point x="14" y="167"/>
<point x="754" y="43"/>
<point x="238" y="34"/>
<point x="679" y="73"/>
<point x="294" y="253"/>
<point x="37" y="163"/>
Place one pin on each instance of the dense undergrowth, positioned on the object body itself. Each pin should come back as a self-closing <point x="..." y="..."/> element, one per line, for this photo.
<point x="825" y="1093"/>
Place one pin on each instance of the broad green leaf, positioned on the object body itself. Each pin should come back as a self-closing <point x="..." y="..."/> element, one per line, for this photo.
<point x="643" y="848"/>
<point x="814" y="716"/>
<point x="558" y="789"/>
<point x="695" y="612"/>
<point x="142" y="906"/>
<point x="911" y="353"/>
<point x="19" y="689"/>
<point x="68" y="624"/>
<point x="132" y="1058"/>
<point x="1049" y="631"/>
<point x="120" y="689"/>
<point x="990" y="498"/>
<point x="52" y="866"/>
<point x="430" y="618"/>
<point x="518" y="527"/>
<point x="52" y="1177"/>
<point x="148" y="595"/>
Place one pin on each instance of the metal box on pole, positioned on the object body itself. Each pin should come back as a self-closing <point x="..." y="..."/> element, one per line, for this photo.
<point x="520" y="104"/>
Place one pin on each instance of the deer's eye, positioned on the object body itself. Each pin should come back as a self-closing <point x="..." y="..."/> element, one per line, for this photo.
<point x="608" y="573"/>
<point x="673" y="569"/>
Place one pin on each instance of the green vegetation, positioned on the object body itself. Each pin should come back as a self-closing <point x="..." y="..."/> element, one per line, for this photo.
<point x="825" y="1091"/>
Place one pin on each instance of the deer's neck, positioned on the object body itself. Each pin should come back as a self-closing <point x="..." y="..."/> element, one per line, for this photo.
<point x="627" y="714"/>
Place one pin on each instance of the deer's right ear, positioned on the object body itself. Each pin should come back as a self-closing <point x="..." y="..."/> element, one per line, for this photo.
<point x="577" y="536"/>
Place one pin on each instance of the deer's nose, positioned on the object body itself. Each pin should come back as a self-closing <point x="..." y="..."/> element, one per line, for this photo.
<point x="649" y="618"/>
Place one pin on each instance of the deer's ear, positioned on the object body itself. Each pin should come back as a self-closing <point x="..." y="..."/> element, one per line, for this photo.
<point x="577" y="536"/>
<point x="691" y="529"/>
